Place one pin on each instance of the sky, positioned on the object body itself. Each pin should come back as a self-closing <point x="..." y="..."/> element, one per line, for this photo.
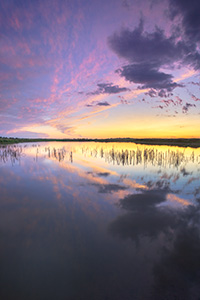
<point x="100" y="69"/>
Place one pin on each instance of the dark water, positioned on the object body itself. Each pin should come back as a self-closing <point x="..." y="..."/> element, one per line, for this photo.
<point x="99" y="221"/>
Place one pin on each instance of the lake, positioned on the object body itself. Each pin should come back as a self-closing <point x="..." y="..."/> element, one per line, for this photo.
<point x="102" y="221"/>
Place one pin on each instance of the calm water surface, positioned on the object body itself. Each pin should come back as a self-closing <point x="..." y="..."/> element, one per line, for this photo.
<point x="99" y="221"/>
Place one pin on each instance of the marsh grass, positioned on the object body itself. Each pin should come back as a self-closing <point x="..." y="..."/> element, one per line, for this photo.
<point x="140" y="154"/>
<point x="143" y="155"/>
<point x="10" y="152"/>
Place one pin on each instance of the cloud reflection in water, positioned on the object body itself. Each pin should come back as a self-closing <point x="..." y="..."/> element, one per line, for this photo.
<point x="99" y="221"/>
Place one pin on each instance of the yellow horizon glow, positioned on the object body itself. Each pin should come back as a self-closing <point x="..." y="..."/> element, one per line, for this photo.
<point x="104" y="126"/>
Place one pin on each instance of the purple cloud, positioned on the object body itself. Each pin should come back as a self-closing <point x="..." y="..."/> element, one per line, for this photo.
<point x="195" y="98"/>
<point x="108" y="88"/>
<point x="194" y="83"/>
<point x="190" y="20"/>
<point x="148" y="76"/>
<point x="147" y="53"/>
<point x="143" y="47"/>
<point x="103" y="103"/>
<point x="186" y="107"/>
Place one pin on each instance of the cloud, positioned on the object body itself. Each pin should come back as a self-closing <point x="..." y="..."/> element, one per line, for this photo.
<point x="139" y="46"/>
<point x="149" y="76"/>
<point x="195" y="98"/>
<point x="105" y="103"/>
<point x="180" y="262"/>
<point x="162" y="93"/>
<point x="184" y="172"/>
<point x="169" y="102"/>
<point x="143" y="201"/>
<point x="152" y="93"/>
<point x="175" y="234"/>
<point x="136" y="225"/>
<point x="101" y="174"/>
<point x="109" y="188"/>
<point x="143" y="217"/>
<point x="159" y="106"/>
<point x="189" y="12"/>
<point x="108" y="88"/>
<point x="179" y="101"/>
<point x="194" y="83"/>
<point x="186" y="107"/>
<point x="148" y="53"/>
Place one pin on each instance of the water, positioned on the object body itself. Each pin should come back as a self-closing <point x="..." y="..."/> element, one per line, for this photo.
<point x="99" y="221"/>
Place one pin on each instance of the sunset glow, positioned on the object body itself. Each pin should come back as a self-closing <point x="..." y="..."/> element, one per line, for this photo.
<point x="100" y="69"/>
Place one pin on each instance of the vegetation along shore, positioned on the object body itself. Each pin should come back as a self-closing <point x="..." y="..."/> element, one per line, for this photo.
<point x="181" y="142"/>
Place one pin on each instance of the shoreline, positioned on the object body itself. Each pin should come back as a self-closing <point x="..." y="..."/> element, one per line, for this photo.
<point x="182" y="142"/>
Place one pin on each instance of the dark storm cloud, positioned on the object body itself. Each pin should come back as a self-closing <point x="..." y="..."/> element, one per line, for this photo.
<point x="139" y="46"/>
<point x="177" y="232"/>
<point x="148" y="75"/>
<point x="189" y="12"/>
<point x="143" y="201"/>
<point x="193" y="60"/>
<point x="143" y="218"/>
<point x="147" y="53"/>
<point x="135" y="225"/>
<point x="108" y="88"/>
<point x="180" y="263"/>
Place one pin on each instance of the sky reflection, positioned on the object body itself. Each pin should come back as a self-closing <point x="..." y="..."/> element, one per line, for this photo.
<point x="99" y="221"/>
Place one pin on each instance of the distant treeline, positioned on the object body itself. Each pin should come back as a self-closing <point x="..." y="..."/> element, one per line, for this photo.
<point x="194" y="143"/>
